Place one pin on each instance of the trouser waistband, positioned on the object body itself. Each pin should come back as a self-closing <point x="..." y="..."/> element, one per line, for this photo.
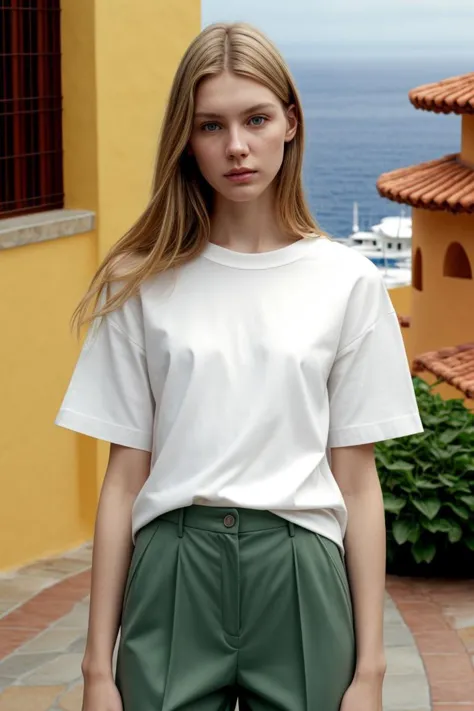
<point x="223" y="519"/>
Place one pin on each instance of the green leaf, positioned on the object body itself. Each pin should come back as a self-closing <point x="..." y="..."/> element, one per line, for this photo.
<point x="461" y="511"/>
<point x="449" y="435"/>
<point x="425" y="484"/>
<point x="400" y="466"/>
<point x="393" y="504"/>
<point x="439" y="525"/>
<point x="447" y="480"/>
<point x="468" y="500"/>
<point x="382" y="459"/>
<point x="402" y="530"/>
<point x="463" y="461"/>
<point x="429" y="507"/>
<point x="455" y="533"/>
<point x="423" y="552"/>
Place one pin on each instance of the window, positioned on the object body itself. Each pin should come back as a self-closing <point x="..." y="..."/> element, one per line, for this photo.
<point x="456" y="262"/>
<point x="418" y="271"/>
<point x="31" y="177"/>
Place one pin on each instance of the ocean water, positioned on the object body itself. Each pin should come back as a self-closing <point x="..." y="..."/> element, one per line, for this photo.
<point x="360" y="123"/>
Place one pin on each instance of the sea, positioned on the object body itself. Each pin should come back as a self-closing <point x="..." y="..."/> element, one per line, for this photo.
<point x="359" y="123"/>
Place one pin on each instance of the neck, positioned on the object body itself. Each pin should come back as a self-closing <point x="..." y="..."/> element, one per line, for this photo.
<point x="249" y="226"/>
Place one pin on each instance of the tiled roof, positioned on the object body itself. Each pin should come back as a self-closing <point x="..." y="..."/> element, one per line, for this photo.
<point x="449" y="96"/>
<point x="441" y="184"/>
<point x="454" y="365"/>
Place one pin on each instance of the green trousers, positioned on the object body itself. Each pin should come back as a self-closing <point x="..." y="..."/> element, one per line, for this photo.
<point x="234" y="604"/>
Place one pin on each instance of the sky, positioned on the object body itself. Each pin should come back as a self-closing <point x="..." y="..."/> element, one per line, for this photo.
<point x="362" y="27"/>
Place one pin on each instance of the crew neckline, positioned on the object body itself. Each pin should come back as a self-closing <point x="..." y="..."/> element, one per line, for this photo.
<point x="260" y="260"/>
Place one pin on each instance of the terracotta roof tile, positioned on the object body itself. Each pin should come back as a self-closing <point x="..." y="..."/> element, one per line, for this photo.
<point x="449" y="96"/>
<point x="442" y="184"/>
<point x="454" y="365"/>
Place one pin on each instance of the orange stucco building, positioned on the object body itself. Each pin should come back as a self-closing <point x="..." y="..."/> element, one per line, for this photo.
<point x="441" y="194"/>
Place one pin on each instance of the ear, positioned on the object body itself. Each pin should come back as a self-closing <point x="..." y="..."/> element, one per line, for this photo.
<point x="292" y="123"/>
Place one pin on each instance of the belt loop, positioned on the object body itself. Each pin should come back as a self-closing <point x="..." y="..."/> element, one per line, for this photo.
<point x="291" y="528"/>
<point x="181" y="523"/>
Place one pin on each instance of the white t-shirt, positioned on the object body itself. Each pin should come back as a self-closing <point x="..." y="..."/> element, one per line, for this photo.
<point x="239" y="372"/>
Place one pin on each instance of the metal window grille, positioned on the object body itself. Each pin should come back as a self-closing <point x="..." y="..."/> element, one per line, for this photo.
<point x="31" y="173"/>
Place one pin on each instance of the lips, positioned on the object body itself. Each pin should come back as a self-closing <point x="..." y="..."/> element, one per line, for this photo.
<point x="240" y="171"/>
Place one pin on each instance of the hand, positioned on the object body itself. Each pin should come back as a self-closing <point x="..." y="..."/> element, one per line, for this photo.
<point x="101" y="695"/>
<point x="363" y="695"/>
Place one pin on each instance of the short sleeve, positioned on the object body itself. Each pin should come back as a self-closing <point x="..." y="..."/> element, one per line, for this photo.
<point x="370" y="388"/>
<point x="109" y="396"/>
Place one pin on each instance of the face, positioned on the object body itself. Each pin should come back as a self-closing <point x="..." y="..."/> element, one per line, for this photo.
<point x="239" y="124"/>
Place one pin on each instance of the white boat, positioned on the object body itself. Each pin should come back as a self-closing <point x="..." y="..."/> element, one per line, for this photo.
<point x="387" y="244"/>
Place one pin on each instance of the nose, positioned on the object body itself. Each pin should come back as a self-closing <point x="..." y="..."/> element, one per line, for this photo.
<point x="236" y="145"/>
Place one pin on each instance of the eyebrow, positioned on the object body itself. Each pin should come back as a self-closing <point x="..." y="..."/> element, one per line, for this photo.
<point x="252" y="109"/>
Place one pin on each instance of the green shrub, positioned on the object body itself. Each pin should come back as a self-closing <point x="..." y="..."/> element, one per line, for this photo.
<point x="428" y="483"/>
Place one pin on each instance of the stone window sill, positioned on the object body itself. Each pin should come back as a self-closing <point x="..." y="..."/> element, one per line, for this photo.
<point x="43" y="226"/>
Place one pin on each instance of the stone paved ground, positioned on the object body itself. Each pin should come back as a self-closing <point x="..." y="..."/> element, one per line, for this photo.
<point x="429" y="637"/>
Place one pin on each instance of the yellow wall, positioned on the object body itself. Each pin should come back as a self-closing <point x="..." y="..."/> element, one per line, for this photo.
<point x="401" y="300"/>
<point x="442" y="313"/>
<point x="467" y="139"/>
<point x="118" y="61"/>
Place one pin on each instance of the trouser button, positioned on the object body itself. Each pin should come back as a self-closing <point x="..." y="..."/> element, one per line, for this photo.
<point x="229" y="521"/>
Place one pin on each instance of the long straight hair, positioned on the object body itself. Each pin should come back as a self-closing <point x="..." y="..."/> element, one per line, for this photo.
<point x="175" y="226"/>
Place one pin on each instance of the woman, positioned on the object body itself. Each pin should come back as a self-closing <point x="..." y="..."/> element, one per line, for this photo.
<point x="242" y="367"/>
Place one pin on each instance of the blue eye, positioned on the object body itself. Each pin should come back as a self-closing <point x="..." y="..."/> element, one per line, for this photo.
<point x="258" y="117"/>
<point x="205" y="126"/>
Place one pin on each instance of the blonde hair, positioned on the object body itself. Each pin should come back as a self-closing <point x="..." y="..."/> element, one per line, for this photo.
<point x="175" y="226"/>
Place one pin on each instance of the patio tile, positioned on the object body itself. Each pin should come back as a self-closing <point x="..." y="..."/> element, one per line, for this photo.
<point x="79" y="645"/>
<point x="17" y="665"/>
<point x="36" y="614"/>
<point x="52" y="640"/>
<point x="63" y="669"/>
<point x="76" y="619"/>
<point x="83" y="554"/>
<point x="19" y="588"/>
<point x="392" y="616"/>
<point x="72" y="700"/>
<point x="452" y="692"/>
<point x="425" y="622"/>
<point x="444" y="641"/>
<point x="33" y="698"/>
<point x="397" y="636"/>
<point x="6" y="606"/>
<point x="11" y="638"/>
<point x="449" y="667"/>
<point x="407" y="694"/>
<point x="461" y="622"/>
<point x="403" y="660"/>
<point x="54" y="567"/>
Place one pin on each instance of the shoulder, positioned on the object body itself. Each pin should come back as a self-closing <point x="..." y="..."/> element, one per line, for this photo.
<point x="355" y="288"/>
<point x="346" y="271"/>
<point x="122" y="300"/>
<point x="342" y="257"/>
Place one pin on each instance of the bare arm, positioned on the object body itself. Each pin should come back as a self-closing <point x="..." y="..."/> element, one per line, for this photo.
<point x="126" y="473"/>
<point x="356" y="474"/>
